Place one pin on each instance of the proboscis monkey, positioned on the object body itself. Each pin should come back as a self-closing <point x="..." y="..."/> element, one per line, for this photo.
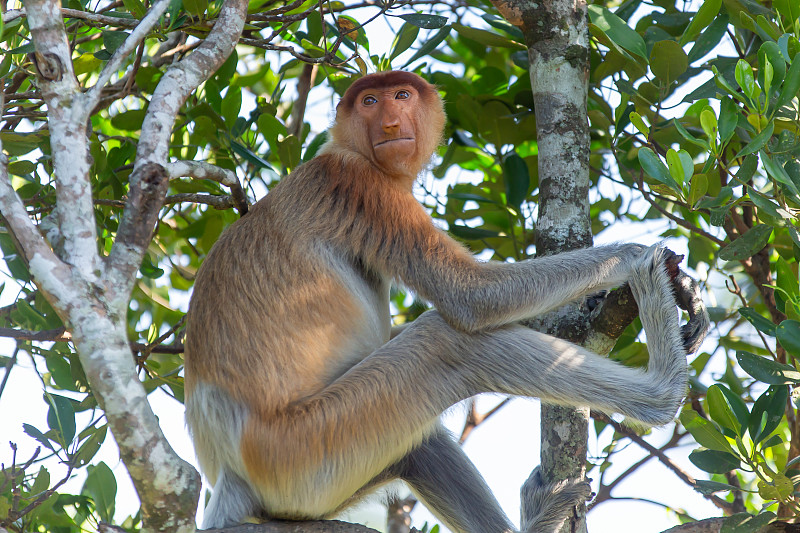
<point x="298" y="397"/>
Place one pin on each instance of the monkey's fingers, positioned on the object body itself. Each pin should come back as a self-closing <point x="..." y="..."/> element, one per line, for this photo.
<point x="671" y="261"/>
<point x="688" y="298"/>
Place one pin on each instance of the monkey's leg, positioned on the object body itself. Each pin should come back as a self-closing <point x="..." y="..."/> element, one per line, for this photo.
<point x="232" y="501"/>
<point x="383" y="407"/>
<point x="442" y="476"/>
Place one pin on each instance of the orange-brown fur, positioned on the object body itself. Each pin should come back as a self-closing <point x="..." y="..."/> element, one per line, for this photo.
<point x="295" y="307"/>
<point x="297" y="398"/>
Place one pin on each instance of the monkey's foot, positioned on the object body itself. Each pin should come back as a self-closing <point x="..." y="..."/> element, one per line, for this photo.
<point x="546" y="506"/>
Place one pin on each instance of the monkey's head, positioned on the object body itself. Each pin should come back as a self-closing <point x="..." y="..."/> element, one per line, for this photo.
<point x="394" y="119"/>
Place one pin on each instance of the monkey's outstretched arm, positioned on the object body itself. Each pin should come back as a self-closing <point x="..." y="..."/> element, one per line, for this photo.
<point x="473" y="295"/>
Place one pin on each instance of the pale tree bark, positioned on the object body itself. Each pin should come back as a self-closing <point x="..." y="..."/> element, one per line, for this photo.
<point x="557" y="36"/>
<point x="90" y="292"/>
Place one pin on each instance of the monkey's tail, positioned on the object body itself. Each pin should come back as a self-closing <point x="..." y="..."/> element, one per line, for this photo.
<point x="545" y="507"/>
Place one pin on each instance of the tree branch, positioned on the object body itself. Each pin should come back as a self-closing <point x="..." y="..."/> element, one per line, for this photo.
<point x="47" y="335"/>
<point x="203" y="170"/>
<point x="659" y="454"/>
<point x="180" y="80"/>
<point x="92" y="96"/>
<point x="60" y="90"/>
<point x="100" y="19"/>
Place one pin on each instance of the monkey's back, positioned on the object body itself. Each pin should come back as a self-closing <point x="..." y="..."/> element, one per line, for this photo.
<point x="277" y="311"/>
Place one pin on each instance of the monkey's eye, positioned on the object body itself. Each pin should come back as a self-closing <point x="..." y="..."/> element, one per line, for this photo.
<point x="402" y="95"/>
<point x="369" y="100"/>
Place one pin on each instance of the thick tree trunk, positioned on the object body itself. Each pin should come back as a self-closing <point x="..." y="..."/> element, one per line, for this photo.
<point x="91" y="292"/>
<point x="557" y="36"/>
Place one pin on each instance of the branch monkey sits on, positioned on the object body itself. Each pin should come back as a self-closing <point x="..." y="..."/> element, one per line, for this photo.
<point x="298" y="398"/>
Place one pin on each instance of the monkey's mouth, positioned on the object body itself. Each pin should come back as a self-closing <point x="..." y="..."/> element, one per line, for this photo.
<point x="387" y="141"/>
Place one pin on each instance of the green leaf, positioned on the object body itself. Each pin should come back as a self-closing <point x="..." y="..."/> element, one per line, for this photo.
<point x="196" y="7"/>
<point x="61" y="418"/>
<point x="728" y="118"/>
<point x="748" y="244"/>
<point x="468" y="233"/>
<point x="688" y="136"/>
<point x="60" y="372"/>
<point x="766" y="207"/>
<point x="135" y="7"/>
<point x="83" y="63"/>
<point x="758" y="142"/>
<point x="746" y="523"/>
<point x="101" y="486"/>
<point x="487" y="38"/>
<point x="668" y="60"/>
<point x="430" y="45"/>
<point x="231" y="105"/>
<point x="404" y="39"/>
<point x="775" y="440"/>
<point x="708" y="121"/>
<point x="790" y="9"/>
<point x="516" y="178"/>
<point x="709" y="39"/>
<point x="710" y="487"/>
<point x="636" y="120"/>
<point x="768" y="491"/>
<point x="429" y="22"/>
<point x="721" y="412"/>
<point x="722" y="83"/>
<point x="758" y="321"/>
<point x="618" y="30"/>
<point x="270" y="127"/>
<point x="42" y="481"/>
<point x="747" y="168"/>
<point x="736" y="404"/>
<point x="787" y="282"/>
<point x="150" y="269"/>
<point x="113" y="39"/>
<point x="745" y="79"/>
<point x="465" y="196"/>
<point x="704" y="16"/>
<point x="38" y="435"/>
<point x="249" y="155"/>
<point x="768" y="411"/>
<point x="791" y="85"/>
<point x="24" y="49"/>
<point x="314" y="146"/>
<point x="704" y="432"/>
<point x="777" y="173"/>
<point x="770" y="54"/>
<point x="147" y="78"/>
<point x="788" y="333"/>
<point x="655" y="168"/>
<point x="90" y="447"/>
<point x="681" y="166"/>
<point x="713" y="461"/>
<point x="698" y="189"/>
<point x="767" y="370"/>
<point x="130" y="120"/>
<point x="26" y="315"/>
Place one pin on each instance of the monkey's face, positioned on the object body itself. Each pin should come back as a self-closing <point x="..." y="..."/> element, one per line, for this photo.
<point x="389" y="117"/>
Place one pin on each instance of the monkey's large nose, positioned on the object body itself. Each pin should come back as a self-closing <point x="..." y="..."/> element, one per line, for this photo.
<point x="390" y="118"/>
<point x="390" y="124"/>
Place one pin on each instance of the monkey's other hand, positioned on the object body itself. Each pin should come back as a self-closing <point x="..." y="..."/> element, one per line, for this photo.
<point x="687" y="296"/>
<point x="545" y="507"/>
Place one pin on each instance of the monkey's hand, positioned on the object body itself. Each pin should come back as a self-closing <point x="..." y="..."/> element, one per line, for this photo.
<point x="687" y="296"/>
